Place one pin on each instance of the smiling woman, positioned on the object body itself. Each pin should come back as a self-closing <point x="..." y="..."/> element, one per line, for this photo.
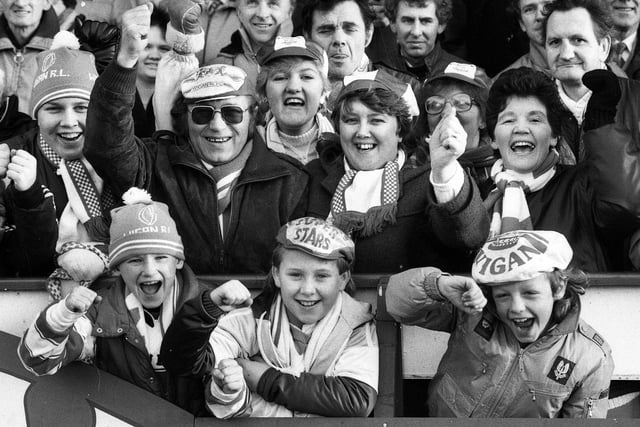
<point x="399" y="214"/>
<point x="524" y="118"/>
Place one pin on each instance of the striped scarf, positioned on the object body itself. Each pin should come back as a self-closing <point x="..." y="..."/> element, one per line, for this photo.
<point x="508" y="200"/>
<point x="226" y="176"/>
<point x="372" y="211"/>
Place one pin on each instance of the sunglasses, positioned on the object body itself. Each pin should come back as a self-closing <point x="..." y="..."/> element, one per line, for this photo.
<point x="202" y="114"/>
<point x="461" y="101"/>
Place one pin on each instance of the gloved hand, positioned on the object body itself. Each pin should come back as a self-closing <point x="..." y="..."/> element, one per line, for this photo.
<point x="602" y="107"/>
<point x="99" y="38"/>
<point x="185" y="14"/>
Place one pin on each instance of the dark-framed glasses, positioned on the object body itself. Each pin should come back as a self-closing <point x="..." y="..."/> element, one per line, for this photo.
<point x="461" y="101"/>
<point x="202" y="114"/>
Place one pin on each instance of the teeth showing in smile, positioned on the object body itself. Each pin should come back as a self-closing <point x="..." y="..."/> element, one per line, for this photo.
<point x="296" y="102"/>
<point x="307" y="303"/>
<point x="150" y="288"/>
<point x="365" y="147"/>
<point x="218" y="140"/>
<point x="523" y="323"/>
<point x="522" y="146"/>
<point x="70" y="136"/>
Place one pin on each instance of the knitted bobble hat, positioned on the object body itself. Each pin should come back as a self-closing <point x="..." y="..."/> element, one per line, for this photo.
<point x="63" y="71"/>
<point x="142" y="227"/>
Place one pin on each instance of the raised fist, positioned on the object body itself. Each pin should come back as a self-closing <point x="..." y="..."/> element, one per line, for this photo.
<point x="231" y="295"/>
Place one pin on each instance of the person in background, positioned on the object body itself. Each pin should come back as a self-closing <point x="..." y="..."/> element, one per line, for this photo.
<point x="625" y="15"/>
<point x="293" y="81"/>
<point x="304" y="348"/>
<point x="26" y="29"/>
<point x="524" y="354"/>
<point x="120" y="327"/>
<point x="143" y="116"/>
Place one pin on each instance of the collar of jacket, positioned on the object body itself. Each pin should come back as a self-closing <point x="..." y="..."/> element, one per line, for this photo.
<point x="569" y="324"/>
<point x="111" y="314"/>
<point x="41" y="40"/>
<point x="261" y="165"/>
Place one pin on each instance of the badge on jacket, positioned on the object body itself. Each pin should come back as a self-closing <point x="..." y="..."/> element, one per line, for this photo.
<point x="561" y="370"/>
<point x="485" y="328"/>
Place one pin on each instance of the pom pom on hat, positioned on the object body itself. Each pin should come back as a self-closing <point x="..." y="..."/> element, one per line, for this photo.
<point x="65" y="39"/>
<point x="520" y="255"/>
<point x="63" y="72"/>
<point x="142" y="227"/>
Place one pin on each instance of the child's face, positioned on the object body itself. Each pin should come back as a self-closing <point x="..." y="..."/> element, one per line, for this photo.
<point x="309" y="286"/>
<point x="150" y="277"/>
<point x="526" y="306"/>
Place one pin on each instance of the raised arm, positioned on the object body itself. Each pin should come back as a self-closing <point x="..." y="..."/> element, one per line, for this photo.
<point x="111" y="146"/>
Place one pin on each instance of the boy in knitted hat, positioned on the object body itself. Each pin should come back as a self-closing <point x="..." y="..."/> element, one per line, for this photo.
<point x="304" y="347"/>
<point x="59" y="101"/>
<point x="228" y="193"/>
<point x="525" y="353"/>
<point x="120" y="326"/>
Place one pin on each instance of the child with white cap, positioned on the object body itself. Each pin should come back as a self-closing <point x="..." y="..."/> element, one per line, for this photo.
<point x="525" y="353"/>
<point x="305" y="346"/>
<point x="120" y="326"/>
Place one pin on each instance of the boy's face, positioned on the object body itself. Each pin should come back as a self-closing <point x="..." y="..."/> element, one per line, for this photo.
<point x="262" y="18"/>
<point x="62" y="124"/>
<point x="526" y="306"/>
<point x="309" y="286"/>
<point x="150" y="277"/>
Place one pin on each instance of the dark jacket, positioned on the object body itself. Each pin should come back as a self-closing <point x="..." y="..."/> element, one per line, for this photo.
<point x="269" y="192"/>
<point x="425" y="232"/>
<point x="393" y="63"/>
<point x="12" y="121"/>
<point x="487" y="373"/>
<point x="144" y="119"/>
<point x="119" y="347"/>
<point x="39" y="259"/>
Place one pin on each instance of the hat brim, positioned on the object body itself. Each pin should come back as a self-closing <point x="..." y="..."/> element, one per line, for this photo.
<point x="459" y="77"/>
<point x="293" y="51"/>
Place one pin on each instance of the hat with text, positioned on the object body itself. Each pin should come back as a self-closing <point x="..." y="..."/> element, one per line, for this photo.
<point x="468" y="73"/>
<point x="141" y="227"/>
<point x="383" y="80"/>
<point x="217" y="81"/>
<point x="316" y="237"/>
<point x="294" y="46"/>
<point x="63" y="71"/>
<point x="520" y="255"/>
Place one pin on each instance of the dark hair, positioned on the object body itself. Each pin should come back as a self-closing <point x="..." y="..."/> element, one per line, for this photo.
<point x="326" y="5"/>
<point x="600" y="12"/>
<point x="444" y="8"/>
<point x="160" y="18"/>
<point x="524" y="82"/>
<point x="265" y="298"/>
<point x="378" y="99"/>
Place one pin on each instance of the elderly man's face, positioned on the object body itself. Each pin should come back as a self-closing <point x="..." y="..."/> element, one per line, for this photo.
<point x="343" y="35"/>
<point x="625" y="14"/>
<point x="220" y="139"/>
<point x="531" y="18"/>
<point x="24" y="13"/>
<point x="572" y="46"/>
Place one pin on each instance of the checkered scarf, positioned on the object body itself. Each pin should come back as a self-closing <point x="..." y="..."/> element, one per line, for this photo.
<point x="508" y="200"/>
<point x="380" y="209"/>
<point x="82" y="219"/>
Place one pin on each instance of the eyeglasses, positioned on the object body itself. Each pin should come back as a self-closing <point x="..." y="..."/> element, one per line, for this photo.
<point x="461" y="101"/>
<point x="202" y="114"/>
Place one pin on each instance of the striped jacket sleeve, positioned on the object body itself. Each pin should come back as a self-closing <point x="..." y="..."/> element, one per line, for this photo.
<point x="56" y="338"/>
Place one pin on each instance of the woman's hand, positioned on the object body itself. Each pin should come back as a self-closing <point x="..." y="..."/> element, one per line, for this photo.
<point x="448" y="142"/>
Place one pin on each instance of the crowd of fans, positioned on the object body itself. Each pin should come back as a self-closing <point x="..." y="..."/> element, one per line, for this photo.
<point x="306" y="141"/>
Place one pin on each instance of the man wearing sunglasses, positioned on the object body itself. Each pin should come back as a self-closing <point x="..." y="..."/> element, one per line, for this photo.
<point x="227" y="192"/>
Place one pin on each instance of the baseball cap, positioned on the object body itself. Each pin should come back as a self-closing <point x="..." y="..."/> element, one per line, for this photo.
<point x="468" y="73"/>
<point x="217" y="81"/>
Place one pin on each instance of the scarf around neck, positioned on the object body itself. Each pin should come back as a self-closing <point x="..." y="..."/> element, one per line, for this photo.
<point x="508" y="200"/>
<point x="365" y="201"/>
